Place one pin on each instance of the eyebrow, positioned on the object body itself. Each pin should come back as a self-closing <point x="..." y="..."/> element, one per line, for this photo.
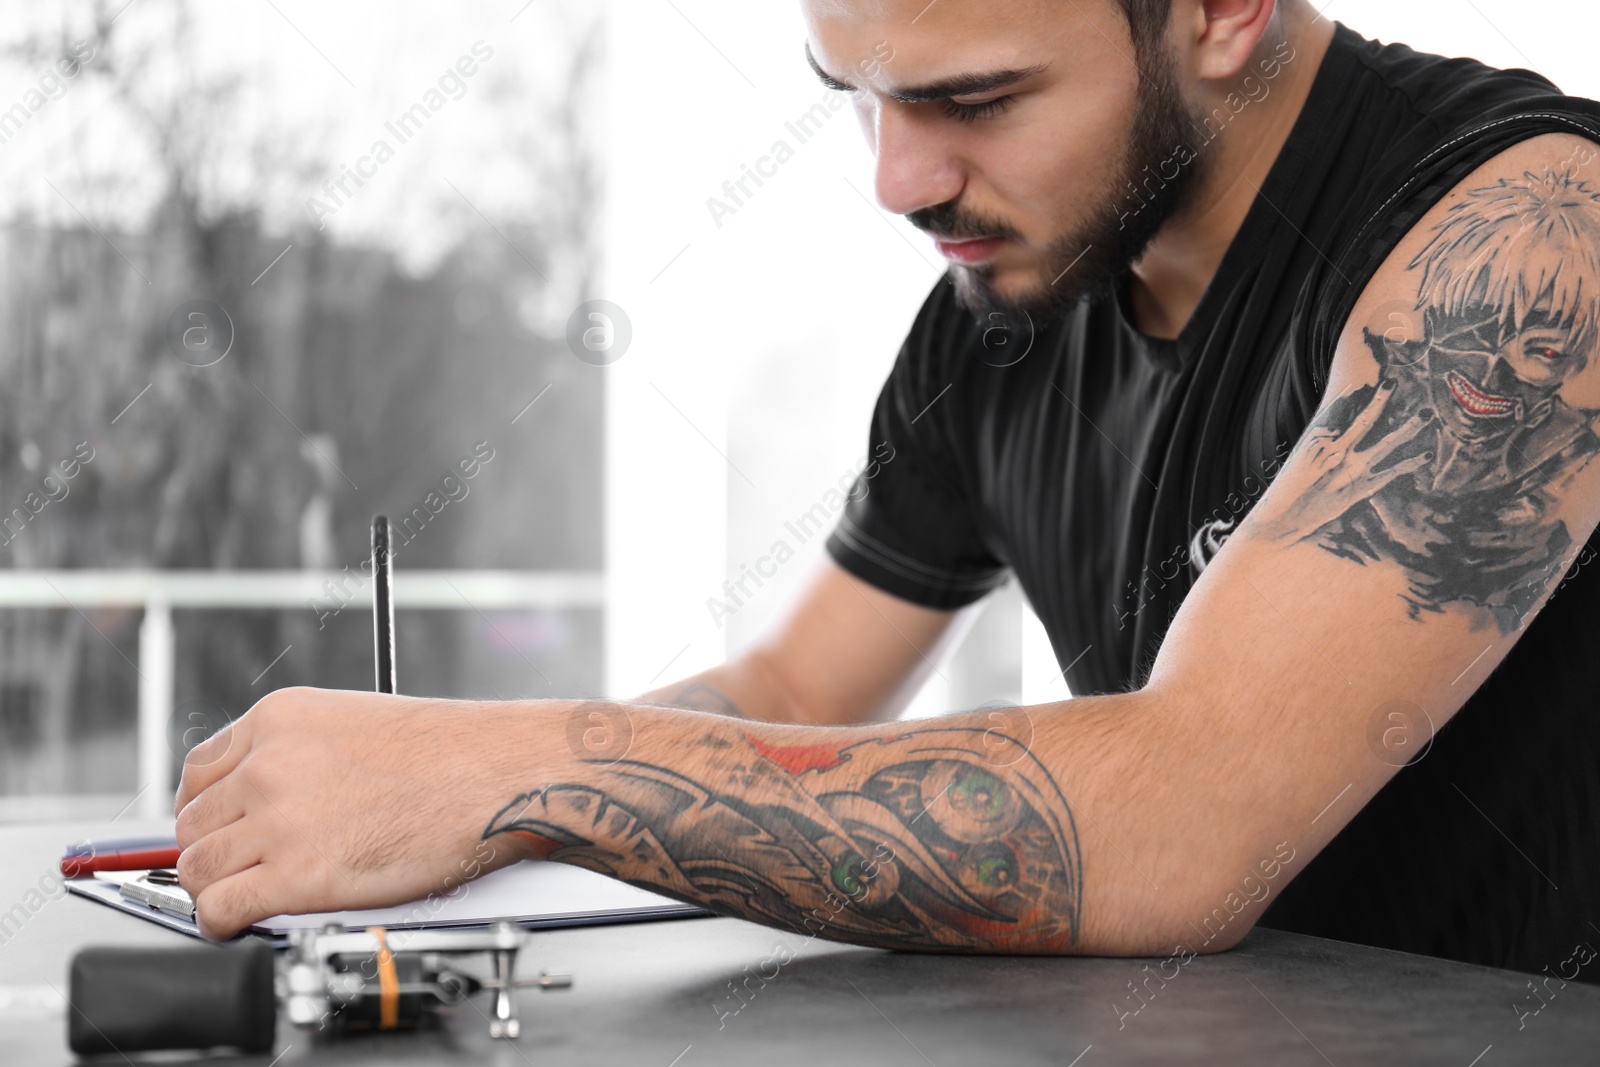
<point x="944" y="88"/>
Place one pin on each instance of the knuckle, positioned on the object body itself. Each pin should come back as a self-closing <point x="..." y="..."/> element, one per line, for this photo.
<point x="185" y="789"/>
<point x="267" y="705"/>
<point x="278" y="703"/>
<point x="231" y="906"/>
<point x="191" y="819"/>
<point x="211" y="912"/>
<point x="196" y="866"/>
<point x="206" y="751"/>
<point x="289" y="695"/>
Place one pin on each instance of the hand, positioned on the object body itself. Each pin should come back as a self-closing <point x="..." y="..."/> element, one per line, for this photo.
<point x="1333" y="476"/>
<point x="324" y="800"/>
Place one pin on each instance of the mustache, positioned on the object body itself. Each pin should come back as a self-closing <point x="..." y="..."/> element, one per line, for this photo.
<point x="948" y="220"/>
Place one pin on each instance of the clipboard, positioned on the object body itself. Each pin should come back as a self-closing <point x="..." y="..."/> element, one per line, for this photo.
<point x="534" y="894"/>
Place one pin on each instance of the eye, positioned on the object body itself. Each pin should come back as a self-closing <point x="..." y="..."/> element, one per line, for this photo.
<point x="973" y="112"/>
<point x="1548" y="353"/>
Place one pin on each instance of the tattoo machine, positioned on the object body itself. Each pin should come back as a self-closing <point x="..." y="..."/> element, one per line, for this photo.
<point x="207" y="996"/>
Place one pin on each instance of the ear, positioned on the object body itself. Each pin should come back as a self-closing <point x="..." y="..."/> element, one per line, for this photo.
<point x="1225" y="33"/>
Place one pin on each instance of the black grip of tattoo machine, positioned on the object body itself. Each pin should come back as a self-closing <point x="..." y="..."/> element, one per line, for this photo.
<point x="126" y="999"/>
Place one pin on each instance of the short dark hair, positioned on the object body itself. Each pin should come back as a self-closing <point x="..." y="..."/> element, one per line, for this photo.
<point x="1147" y="22"/>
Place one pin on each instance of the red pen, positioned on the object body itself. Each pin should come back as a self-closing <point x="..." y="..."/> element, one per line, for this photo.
<point x="142" y="859"/>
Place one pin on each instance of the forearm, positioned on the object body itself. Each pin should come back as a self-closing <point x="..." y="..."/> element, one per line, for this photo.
<point x="953" y="834"/>
<point x="746" y="687"/>
<point x="1098" y="826"/>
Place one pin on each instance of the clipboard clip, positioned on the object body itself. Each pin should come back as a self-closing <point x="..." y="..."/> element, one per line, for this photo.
<point x="159" y="889"/>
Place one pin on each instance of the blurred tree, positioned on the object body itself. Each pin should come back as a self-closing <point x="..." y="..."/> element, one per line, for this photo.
<point x="353" y="385"/>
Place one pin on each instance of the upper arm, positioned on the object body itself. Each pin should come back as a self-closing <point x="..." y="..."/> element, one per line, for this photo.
<point x="1419" y="525"/>
<point x="846" y="651"/>
<point x="907" y="559"/>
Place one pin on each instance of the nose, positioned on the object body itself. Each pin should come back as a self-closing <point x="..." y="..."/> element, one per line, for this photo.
<point x="1501" y="371"/>
<point x="915" y="168"/>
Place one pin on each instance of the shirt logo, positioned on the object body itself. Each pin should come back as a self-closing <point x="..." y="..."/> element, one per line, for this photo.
<point x="1208" y="541"/>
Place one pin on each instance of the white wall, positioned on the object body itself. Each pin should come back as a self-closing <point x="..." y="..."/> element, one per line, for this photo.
<point x="771" y="332"/>
<point x="1554" y="37"/>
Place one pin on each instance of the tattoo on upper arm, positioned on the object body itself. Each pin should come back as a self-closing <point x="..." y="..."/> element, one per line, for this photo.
<point x="1455" y="463"/>
<point x="912" y="841"/>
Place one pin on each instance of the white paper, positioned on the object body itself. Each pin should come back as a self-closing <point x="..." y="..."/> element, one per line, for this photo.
<point x="531" y="891"/>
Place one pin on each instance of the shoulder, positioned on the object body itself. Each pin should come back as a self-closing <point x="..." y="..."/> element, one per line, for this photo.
<point x="1520" y="229"/>
<point x="1396" y="103"/>
<point x="1390" y="218"/>
<point x="1448" y="89"/>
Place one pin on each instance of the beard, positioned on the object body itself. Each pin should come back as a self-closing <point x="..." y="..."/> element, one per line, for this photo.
<point x="1093" y="258"/>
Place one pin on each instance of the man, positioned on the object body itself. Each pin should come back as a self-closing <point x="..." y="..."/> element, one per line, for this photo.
<point x="1201" y="222"/>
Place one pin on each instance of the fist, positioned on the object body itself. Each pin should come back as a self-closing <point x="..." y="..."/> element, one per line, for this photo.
<point x="325" y="800"/>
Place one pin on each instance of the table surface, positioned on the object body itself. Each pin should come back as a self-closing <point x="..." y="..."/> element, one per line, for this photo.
<point x="658" y="994"/>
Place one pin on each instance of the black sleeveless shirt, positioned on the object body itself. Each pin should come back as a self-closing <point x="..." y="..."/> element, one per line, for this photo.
<point x="1104" y="468"/>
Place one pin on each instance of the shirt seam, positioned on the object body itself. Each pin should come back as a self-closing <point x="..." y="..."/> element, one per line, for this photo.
<point x="916" y="570"/>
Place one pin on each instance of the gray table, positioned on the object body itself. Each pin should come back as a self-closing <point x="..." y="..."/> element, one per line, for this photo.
<point x="657" y="994"/>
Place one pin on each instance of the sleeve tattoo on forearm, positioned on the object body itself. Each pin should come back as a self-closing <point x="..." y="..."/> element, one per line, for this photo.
<point x="1453" y="465"/>
<point x="922" y="840"/>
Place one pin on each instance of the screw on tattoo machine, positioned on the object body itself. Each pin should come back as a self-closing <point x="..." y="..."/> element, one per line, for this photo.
<point x="333" y="980"/>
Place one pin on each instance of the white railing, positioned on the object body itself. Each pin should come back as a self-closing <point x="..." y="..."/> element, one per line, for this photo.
<point x="158" y="593"/>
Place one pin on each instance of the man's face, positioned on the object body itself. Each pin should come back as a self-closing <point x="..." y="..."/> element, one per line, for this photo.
<point x="1069" y="165"/>
<point x="1487" y="382"/>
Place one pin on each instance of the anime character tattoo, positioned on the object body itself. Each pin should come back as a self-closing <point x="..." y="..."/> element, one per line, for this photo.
<point x="1454" y="464"/>
<point x="924" y="840"/>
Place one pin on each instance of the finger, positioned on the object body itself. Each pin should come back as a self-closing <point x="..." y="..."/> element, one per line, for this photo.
<point x="212" y="759"/>
<point x="1401" y="435"/>
<point x="1368" y="416"/>
<point x="228" y="906"/>
<point x="234" y="848"/>
<point x="1404" y="467"/>
<point x="209" y="812"/>
<point x="1321" y="433"/>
